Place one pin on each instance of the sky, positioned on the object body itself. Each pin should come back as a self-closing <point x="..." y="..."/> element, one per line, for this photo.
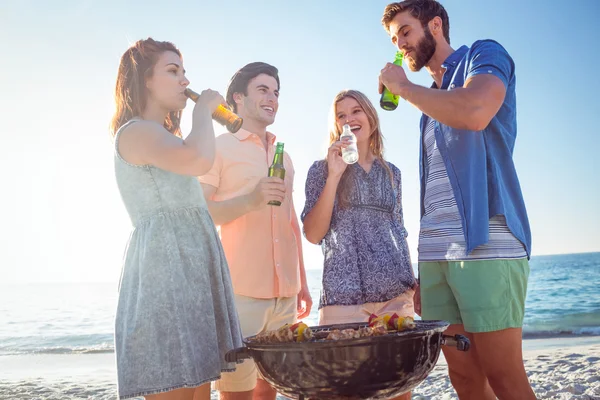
<point x="62" y="215"/>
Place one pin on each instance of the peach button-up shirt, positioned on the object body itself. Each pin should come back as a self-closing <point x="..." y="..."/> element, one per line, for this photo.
<point x="260" y="246"/>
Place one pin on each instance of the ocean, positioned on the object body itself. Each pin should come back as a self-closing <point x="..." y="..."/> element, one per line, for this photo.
<point x="67" y="320"/>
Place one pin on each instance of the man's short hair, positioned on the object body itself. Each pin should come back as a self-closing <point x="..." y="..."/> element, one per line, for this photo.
<point x="240" y="80"/>
<point x="423" y="10"/>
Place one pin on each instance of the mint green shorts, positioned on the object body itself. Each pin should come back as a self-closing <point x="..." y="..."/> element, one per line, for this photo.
<point x="482" y="295"/>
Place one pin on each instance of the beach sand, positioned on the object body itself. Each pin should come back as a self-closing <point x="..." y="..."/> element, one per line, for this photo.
<point x="561" y="368"/>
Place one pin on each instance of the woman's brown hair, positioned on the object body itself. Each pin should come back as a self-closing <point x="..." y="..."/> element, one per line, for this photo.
<point x="136" y="66"/>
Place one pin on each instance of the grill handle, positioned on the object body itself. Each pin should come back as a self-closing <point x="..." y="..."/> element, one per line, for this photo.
<point x="237" y="355"/>
<point x="461" y="342"/>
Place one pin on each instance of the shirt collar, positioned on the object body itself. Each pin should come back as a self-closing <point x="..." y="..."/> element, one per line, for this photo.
<point x="455" y="57"/>
<point x="451" y="62"/>
<point x="243" y="134"/>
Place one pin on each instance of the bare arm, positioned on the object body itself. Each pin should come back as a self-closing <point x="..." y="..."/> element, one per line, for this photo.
<point x="489" y="70"/>
<point x="471" y="107"/>
<point x="225" y="211"/>
<point x="304" y="299"/>
<point x="318" y="219"/>
<point x="148" y="142"/>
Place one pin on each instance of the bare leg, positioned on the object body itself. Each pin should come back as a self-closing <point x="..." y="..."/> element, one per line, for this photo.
<point x="264" y="391"/>
<point x="466" y="374"/>
<point x="236" y="395"/>
<point x="202" y="392"/>
<point x="177" y="394"/>
<point x="501" y="357"/>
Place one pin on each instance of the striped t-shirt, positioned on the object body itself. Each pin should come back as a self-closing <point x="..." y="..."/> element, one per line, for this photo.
<point x="441" y="237"/>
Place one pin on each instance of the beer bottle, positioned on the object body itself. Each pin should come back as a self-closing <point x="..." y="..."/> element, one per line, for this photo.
<point x="222" y="115"/>
<point x="276" y="169"/>
<point x="389" y="101"/>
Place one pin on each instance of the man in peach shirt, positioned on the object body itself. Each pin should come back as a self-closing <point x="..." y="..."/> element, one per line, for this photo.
<point x="262" y="243"/>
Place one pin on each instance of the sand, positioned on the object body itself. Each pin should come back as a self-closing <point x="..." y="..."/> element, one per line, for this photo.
<point x="561" y="368"/>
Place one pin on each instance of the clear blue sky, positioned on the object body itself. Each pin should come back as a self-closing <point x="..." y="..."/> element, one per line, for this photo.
<point x="62" y="215"/>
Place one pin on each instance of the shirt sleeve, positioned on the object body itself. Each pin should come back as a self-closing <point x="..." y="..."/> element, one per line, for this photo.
<point x="489" y="57"/>
<point x="315" y="183"/>
<point x="213" y="177"/>
<point x="398" y="211"/>
<point x="289" y="170"/>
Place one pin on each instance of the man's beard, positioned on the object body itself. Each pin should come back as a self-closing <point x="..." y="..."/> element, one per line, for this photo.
<point x="423" y="53"/>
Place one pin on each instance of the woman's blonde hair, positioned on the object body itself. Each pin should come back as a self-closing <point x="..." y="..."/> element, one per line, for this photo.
<point x="375" y="139"/>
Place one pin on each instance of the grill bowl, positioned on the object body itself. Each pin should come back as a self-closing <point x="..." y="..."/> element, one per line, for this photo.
<point x="375" y="367"/>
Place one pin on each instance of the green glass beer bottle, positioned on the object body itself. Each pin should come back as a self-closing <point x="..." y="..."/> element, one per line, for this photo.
<point x="276" y="169"/>
<point x="389" y="101"/>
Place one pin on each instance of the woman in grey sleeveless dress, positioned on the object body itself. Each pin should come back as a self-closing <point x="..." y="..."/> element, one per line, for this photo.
<point x="176" y="317"/>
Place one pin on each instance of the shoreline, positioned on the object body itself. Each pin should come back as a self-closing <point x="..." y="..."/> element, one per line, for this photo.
<point x="559" y="341"/>
<point x="529" y="342"/>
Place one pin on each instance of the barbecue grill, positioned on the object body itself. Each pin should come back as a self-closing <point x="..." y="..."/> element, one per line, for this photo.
<point x="375" y="367"/>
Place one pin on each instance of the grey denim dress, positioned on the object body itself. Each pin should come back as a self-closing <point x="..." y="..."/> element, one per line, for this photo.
<point x="176" y="315"/>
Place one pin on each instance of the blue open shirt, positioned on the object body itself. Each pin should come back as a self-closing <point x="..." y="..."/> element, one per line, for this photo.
<point x="479" y="163"/>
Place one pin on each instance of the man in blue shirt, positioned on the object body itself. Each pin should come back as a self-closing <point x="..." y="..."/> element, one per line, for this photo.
<point x="474" y="241"/>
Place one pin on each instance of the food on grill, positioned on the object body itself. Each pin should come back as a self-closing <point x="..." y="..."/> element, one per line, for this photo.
<point x="378" y="325"/>
<point x="403" y="323"/>
<point x="301" y="332"/>
<point x="380" y="321"/>
<point x="365" y="331"/>
<point x="392" y="322"/>
<point x="298" y="332"/>
<point x="283" y="334"/>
